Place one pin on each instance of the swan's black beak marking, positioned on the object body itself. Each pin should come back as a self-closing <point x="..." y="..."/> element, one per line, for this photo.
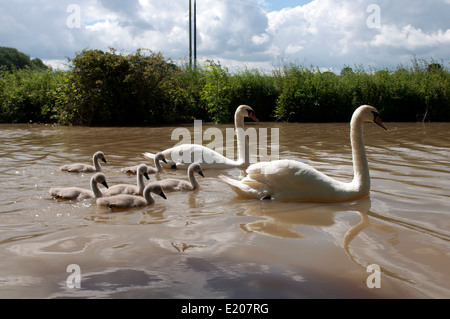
<point x="163" y="195"/>
<point x="164" y="160"/>
<point x="201" y="174"/>
<point x="146" y="176"/>
<point x="104" y="160"/>
<point x="105" y="184"/>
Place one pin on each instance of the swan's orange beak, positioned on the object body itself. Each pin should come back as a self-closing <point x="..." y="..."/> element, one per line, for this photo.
<point x="377" y="120"/>
<point x="253" y="116"/>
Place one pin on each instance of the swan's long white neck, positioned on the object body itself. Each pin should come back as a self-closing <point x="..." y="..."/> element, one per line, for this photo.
<point x="240" y="134"/>
<point x="192" y="179"/>
<point x="95" y="189"/>
<point x="361" y="179"/>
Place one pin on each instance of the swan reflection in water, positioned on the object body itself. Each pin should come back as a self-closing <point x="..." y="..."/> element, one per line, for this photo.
<point x="285" y="220"/>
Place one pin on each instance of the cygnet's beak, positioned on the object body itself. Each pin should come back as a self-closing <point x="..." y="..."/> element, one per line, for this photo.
<point x="163" y="195"/>
<point x="201" y="174"/>
<point x="146" y="176"/>
<point x="105" y="184"/>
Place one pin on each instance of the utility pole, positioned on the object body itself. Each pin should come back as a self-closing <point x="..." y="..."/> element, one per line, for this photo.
<point x="195" y="33"/>
<point x="190" y="33"/>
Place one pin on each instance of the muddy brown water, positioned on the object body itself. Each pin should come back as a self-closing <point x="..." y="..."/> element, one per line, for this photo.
<point x="210" y="243"/>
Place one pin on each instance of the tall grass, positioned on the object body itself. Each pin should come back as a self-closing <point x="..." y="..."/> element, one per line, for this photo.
<point x="28" y="95"/>
<point x="413" y="93"/>
<point x="146" y="89"/>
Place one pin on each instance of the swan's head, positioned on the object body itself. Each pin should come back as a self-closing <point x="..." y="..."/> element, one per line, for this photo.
<point x="196" y="168"/>
<point x="100" y="178"/>
<point x="142" y="170"/>
<point x="246" y="111"/>
<point x="154" y="188"/>
<point x="100" y="155"/>
<point x="367" y="113"/>
<point x="160" y="157"/>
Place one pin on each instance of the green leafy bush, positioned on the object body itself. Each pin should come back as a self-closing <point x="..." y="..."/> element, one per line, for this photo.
<point x="28" y="95"/>
<point x="216" y="93"/>
<point x="115" y="89"/>
<point x="257" y="89"/>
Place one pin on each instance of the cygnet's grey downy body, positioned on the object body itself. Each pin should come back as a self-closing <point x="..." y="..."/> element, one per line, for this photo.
<point x="137" y="189"/>
<point x="182" y="185"/>
<point x="77" y="193"/>
<point x="151" y="170"/>
<point x="125" y="201"/>
<point x="85" y="168"/>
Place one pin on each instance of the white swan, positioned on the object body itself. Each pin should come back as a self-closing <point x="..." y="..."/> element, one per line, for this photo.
<point x="131" y="189"/>
<point x="181" y="185"/>
<point x="150" y="170"/>
<point x="181" y="155"/>
<point x="125" y="201"/>
<point x="72" y="193"/>
<point x="84" y="168"/>
<point x="289" y="180"/>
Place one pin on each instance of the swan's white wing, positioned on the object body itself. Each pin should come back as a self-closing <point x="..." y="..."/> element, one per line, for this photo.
<point x="285" y="180"/>
<point x="246" y="189"/>
<point x="285" y="174"/>
<point x="184" y="155"/>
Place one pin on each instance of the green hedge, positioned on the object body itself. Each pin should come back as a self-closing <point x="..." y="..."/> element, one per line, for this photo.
<point x="405" y="94"/>
<point x="144" y="88"/>
<point x="28" y="95"/>
<point x="114" y="89"/>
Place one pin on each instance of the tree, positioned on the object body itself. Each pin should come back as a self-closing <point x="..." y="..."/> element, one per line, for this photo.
<point x="12" y="59"/>
<point x="346" y="70"/>
<point x="434" y="67"/>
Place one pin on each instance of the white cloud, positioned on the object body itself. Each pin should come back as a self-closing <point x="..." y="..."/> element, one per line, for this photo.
<point x="323" y="33"/>
<point x="410" y="38"/>
<point x="293" y="49"/>
<point x="260" y="39"/>
<point x="330" y="34"/>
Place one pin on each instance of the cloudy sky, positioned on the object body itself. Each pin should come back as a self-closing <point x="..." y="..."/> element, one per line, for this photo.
<point x="256" y="33"/>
